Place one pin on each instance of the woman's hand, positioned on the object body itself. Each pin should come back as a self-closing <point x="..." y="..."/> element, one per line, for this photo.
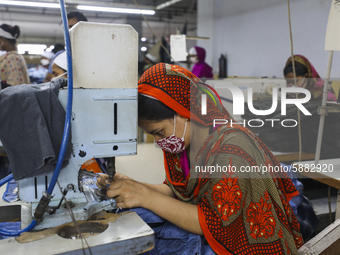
<point x="103" y="179"/>
<point x="129" y="193"/>
<point x="159" y="199"/>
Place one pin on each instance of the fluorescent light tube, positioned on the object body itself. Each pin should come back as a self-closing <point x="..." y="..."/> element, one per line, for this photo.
<point x="111" y="9"/>
<point x="166" y="4"/>
<point x="30" y="4"/>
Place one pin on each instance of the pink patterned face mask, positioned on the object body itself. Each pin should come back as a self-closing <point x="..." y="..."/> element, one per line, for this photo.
<point x="172" y="143"/>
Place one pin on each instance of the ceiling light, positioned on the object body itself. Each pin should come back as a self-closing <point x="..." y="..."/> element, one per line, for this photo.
<point x="144" y="49"/>
<point x="166" y="4"/>
<point x="30" y="4"/>
<point x="143" y="39"/>
<point x="118" y="10"/>
<point x="31" y="48"/>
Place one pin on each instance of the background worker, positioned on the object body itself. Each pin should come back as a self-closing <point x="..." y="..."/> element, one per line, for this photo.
<point x="201" y="69"/>
<point x="59" y="66"/>
<point x="74" y="17"/>
<point x="37" y="74"/>
<point x="306" y="77"/>
<point x="13" y="68"/>
<point x="58" y="49"/>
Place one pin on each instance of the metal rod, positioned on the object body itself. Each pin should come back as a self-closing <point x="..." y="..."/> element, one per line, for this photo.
<point x="324" y="101"/>
<point x="111" y="168"/>
<point x="294" y="73"/>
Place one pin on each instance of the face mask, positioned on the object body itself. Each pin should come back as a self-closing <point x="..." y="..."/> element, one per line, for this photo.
<point x="56" y="78"/>
<point x="172" y="143"/>
<point x="194" y="60"/>
<point x="44" y="62"/>
<point x="301" y="84"/>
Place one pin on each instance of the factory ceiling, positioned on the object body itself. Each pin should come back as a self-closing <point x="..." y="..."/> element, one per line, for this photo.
<point x="44" y="25"/>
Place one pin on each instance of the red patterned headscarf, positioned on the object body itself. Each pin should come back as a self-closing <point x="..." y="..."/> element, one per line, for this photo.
<point x="238" y="214"/>
<point x="172" y="85"/>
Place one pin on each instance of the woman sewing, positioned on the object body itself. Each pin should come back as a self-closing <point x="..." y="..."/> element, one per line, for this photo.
<point x="234" y="212"/>
<point x="306" y="77"/>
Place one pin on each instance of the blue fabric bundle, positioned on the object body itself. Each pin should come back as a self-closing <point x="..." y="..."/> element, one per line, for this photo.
<point x="13" y="226"/>
<point x="302" y="208"/>
<point x="171" y="239"/>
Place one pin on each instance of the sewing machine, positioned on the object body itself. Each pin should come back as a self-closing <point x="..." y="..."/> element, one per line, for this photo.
<point x="103" y="125"/>
<point x="104" y="118"/>
<point x="261" y="88"/>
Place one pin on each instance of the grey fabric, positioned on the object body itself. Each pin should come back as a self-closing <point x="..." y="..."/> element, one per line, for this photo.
<point x="32" y="125"/>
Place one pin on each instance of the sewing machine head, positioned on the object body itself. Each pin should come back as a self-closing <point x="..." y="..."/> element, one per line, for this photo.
<point x="104" y="115"/>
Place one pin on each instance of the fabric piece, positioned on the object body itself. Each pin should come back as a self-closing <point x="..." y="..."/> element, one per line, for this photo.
<point x="37" y="74"/>
<point x="11" y="193"/>
<point x="13" y="69"/>
<point x="185" y="164"/>
<point x="9" y="226"/>
<point x="34" y="128"/>
<point x="147" y="215"/>
<point x="283" y="139"/>
<point x="307" y="218"/>
<point x="302" y="208"/>
<point x="238" y="213"/>
<point x="4" y="167"/>
<point x="315" y="85"/>
<point x="172" y="240"/>
<point x="202" y="69"/>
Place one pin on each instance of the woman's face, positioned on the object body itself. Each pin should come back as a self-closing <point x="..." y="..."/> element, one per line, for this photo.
<point x="165" y="128"/>
<point x="2" y="44"/>
<point x="56" y="70"/>
<point x="194" y="59"/>
<point x="290" y="80"/>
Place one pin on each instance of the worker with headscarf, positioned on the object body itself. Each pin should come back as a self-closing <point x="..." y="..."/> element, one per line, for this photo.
<point x="12" y="65"/>
<point x="201" y="69"/>
<point x="230" y="211"/>
<point x="306" y="77"/>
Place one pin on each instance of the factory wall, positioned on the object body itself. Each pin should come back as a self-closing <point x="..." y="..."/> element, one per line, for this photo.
<point x="255" y="35"/>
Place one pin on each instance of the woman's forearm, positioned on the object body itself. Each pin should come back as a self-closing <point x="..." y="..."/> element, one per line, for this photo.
<point x="182" y="214"/>
<point x="162" y="188"/>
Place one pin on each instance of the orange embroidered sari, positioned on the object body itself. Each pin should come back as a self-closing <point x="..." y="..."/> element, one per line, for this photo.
<point x="239" y="212"/>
